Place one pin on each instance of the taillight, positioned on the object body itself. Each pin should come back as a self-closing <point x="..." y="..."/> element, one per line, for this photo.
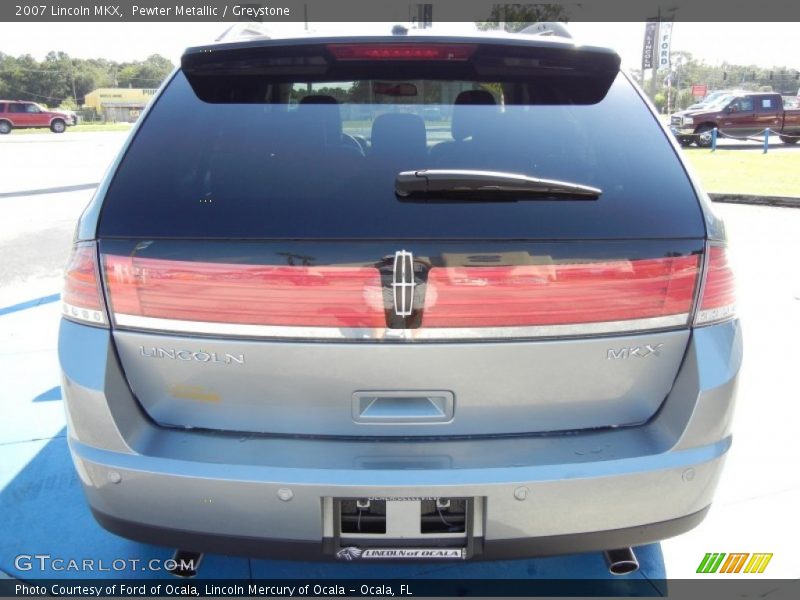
<point x="562" y="297"/>
<point x="718" y="302"/>
<point x="82" y="298"/>
<point x="401" y="51"/>
<point x="660" y="290"/>
<point x="205" y="293"/>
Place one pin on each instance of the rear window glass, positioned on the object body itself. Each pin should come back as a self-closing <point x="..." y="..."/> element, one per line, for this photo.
<point x="305" y="158"/>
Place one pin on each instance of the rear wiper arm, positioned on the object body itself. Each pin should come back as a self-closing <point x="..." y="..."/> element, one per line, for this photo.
<point x="476" y="185"/>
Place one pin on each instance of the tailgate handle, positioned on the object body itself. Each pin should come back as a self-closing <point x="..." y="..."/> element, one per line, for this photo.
<point x="401" y="408"/>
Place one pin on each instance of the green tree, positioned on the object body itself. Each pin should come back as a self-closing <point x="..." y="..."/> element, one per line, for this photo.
<point x="69" y="104"/>
<point x="145" y="74"/>
<point x="519" y="16"/>
<point x="660" y="101"/>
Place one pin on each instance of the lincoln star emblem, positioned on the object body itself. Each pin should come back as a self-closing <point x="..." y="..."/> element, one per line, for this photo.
<point x="403" y="283"/>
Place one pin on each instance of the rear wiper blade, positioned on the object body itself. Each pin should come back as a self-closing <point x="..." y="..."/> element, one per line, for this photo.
<point x="476" y="185"/>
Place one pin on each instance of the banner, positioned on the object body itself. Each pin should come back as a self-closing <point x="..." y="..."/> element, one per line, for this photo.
<point x="648" y="48"/>
<point x="664" y="43"/>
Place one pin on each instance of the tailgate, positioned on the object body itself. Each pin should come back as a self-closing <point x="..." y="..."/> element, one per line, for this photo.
<point x="264" y="274"/>
<point x="400" y="338"/>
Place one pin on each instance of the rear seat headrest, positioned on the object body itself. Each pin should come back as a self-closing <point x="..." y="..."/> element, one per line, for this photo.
<point x="474" y="97"/>
<point x="318" y="99"/>
<point x="398" y="133"/>
<point x="320" y="114"/>
<point x="462" y="124"/>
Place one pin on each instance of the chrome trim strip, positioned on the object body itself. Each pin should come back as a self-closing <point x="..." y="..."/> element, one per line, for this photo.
<point x="700" y="282"/>
<point x="386" y="334"/>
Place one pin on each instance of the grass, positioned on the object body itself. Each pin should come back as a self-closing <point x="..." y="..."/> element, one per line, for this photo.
<point x="776" y="173"/>
<point x="78" y="127"/>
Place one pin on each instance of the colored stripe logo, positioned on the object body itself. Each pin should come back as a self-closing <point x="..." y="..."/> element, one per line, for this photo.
<point x="737" y="562"/>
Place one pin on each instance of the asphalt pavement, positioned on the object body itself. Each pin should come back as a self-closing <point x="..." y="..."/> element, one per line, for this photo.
<point x="41" y="507"/>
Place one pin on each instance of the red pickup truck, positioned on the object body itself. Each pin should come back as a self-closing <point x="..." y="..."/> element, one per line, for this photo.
<point x="738" y="115"/>
<point x="19" y="114"/>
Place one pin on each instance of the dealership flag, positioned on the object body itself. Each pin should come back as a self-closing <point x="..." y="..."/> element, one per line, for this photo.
<point x="650" y="32"/>
<point x="664" y="42"/>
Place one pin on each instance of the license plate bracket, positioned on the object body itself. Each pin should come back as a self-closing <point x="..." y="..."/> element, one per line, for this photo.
<point x="405" y="528"/>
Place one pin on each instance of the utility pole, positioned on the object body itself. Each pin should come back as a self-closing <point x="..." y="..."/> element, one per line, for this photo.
<point x="72" y="75"/>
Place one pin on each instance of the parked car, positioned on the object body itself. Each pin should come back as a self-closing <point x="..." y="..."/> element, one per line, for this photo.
<point x="739" y="115"/>
<point x="16" y="114"/>
<point x="519" y="340"/>
<point x="711" y="99"/>
<point x="717" y="98"/>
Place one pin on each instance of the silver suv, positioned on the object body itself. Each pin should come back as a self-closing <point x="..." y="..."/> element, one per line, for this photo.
<point x="399" y="297"/>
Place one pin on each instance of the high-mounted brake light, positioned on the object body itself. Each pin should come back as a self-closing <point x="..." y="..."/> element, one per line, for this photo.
<point x="184" y="292"/>
<point x="82" y="299"/>
<point x="718" y="302"/>
<point x="401" y="51"/>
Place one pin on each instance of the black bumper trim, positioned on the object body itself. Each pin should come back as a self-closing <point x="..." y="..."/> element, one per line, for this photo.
<point x="324" y="549"/>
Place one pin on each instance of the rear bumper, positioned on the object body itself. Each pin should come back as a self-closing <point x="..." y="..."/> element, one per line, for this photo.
<point x="565" y="508"/>
<point x="538" y="495"/>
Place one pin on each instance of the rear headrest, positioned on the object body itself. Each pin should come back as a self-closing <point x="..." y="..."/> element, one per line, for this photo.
<point x="401" y="134"/>
<point x="474" y="97"/>
<point x="465" y="116"/>
<point x="318" y="99"/>
<point x="320" y="115"/>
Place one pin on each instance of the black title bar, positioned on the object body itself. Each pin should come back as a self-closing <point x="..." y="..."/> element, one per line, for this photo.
<point x="400" y="11"/>
<point x="675" y="589"/>
<point x="342" y="588"/>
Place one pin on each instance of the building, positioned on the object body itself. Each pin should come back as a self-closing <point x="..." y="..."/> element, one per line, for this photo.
<point x="118" y="104"/>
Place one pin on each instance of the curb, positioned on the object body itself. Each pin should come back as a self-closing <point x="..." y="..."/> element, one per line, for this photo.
<point x="785" y="201"/>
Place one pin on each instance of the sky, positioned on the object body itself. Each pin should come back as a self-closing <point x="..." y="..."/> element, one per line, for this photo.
<point x="762" y="44"/>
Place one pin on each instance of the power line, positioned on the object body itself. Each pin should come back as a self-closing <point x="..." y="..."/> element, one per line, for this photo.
<point x="134" y="78"/>
<point x="35" y="70"/>
<point x="24" y="92"/>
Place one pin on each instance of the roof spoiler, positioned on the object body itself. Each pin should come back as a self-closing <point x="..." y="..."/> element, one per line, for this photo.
<point x="551" y="28"/>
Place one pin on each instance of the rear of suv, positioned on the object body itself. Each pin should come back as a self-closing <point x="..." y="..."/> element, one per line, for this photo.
<point x="399" y="297"/>
<point x="15" y="114"/>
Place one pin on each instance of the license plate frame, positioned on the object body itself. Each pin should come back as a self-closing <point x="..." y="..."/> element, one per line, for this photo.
<point x="404" y="541"/>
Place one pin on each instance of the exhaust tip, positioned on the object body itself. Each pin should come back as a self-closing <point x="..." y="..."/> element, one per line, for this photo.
<point x="621" y="561"/>
<point x="185" y="564"/>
